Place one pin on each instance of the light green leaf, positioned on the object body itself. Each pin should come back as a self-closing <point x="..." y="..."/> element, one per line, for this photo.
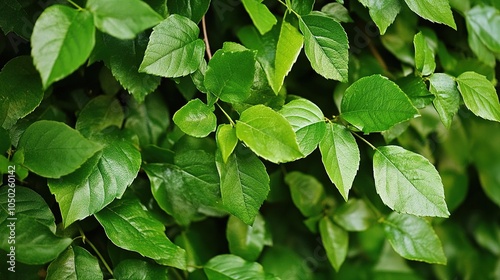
<point x="477" y="46"/>
<point x="355" y="215"/>
<point x="407" y="182"/>
<point x="383" y="12"/>
<point x="262" y="18"/>
<point x="231" y="267"/>
<point x="375" y="103"/>
<point x="447" y="100"/>
<point x="340" y="156"/>
<point x="196" y="119"/>
<point x="226" y="140"/>
<point x="99" y="181"/>
<point x="130" y="226"/>
<point x="244" y="183"/>
<point x="307" y="193"/>
<point x="123" y="19"/>
<point x="246" y="241"/>
<point x="139" y="269"/>
<point x="99" y="113"/>
<point x="62" y="40"/>
<point x="53" y="149"/>
<point x="230" y="75"/>
<point x="335" y="240"/>
<point x="434" y="10"/>
<point x="21" y="91"/>
<point x="307" y="121"/>
<point x="485" y="23"/>
<point x="425" y="62"/>
<point x="74" y="264"/>
<point x="174" y="49"/>
<point x="268" y="134"/>
<point x="326" y="46"/>
<point x="192" y="9"/>
<point x="413" y="238"/>
<point x="479" y="95"/>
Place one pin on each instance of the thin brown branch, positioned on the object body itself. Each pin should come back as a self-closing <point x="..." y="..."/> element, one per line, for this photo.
<point x="205" y="38"/>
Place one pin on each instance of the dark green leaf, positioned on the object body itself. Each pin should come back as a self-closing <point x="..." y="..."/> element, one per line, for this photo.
<point x="337" y="11"/>
<point x="375" y="103"/>
<point x="434" y="10"/>
<point x="425" y="62"/>
<point x="139" y="269"/>
<point x="62" y="40"/>
<point x="413" y="238"/>
<point x="479" y="95"/>
<point x="335" y="240"/>
<point x="355" y="215"/>
<point x="416" y="90"/>
<point x="407" y="182"/>
<point x="307" y="193"/>
<point x="302" y="7"/>
<point x="244" y="240"/>
<point x="383" y="13"/>
<point x="196" y="119"/>
<point x="75" y="263"/>
<point x="262" y="18"/>
<point x="192" y="9"/>
<point x="233" y="267"/>
<point x="13" y="18"/>
<point x="130" y="226"/>
<point x="101" y="112"/>
<point x="447" y="100"/>
<point x="226" y="140"/>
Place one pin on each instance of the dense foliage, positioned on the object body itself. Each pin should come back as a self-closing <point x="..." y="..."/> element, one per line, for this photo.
<point x="226" y="139"/>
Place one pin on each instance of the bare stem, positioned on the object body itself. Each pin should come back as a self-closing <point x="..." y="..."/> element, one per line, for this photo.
<point x="364" y="140"/>
<point x="205" y="38"/>
<point x="86" y="241"/>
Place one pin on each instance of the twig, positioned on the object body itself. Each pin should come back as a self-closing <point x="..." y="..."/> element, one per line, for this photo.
<point x="205" y="38"/>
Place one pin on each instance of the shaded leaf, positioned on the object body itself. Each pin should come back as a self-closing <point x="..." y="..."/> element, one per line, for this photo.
<point x="233" y="267"/>
<point x="99" y="113"/>
<point x="192" y="9"/>
<point x="307" y="193"/>
<point x="335" y="240"/>
<point x="246" y="241"/>
<point x="74" y="264"/>
<point x="139" y="269"/>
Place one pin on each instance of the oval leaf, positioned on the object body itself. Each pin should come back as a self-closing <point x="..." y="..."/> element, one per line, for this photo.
<point x="447" y="100"/>
<point x="74" y="264"/>
<point x="374" y="104"/>
<point x="407" y="182"/>
<point x="355" y="215"/>
<point x="479" y="95"/>
<point x="433" y="10"/>
<point x="307" y="193"/>
<point x="135" y="268"/>
<point x="485" y="23"/>
<point x="226" y="140"/>
<point x="99" y="113"/>
<point x="262" y="18"/>
<point x="335" y="240"/>
<point x="268" y="134"/>
<point x="233" y="267"/>
<point x="246" y="241"/>
<point x="196" y="119"/>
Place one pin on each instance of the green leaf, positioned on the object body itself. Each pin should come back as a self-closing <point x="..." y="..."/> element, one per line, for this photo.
<point x="285" y="263"/>
<point x="479" y="95"/>
<point x="484" y="21"/>
<point x="307" y="121"/>
<point x="434" y="10"/>
<point x="336" y="11"/>
<point x="226" y="140"/>
<point x="302" y="7"/>
<point x="375" y="103"/>
<point x="407" y="182"/>
<point x="230" y="75"/>
<point x="192" y="9"/>
<point x="13" y="18"/>
<point x="413" y="238"/>
<point x="416" y="89"/>
<point x="340" y="156"/>
<point x="335" y="240"/>
<point x="130" y="226"/>
<point x="53" y="149"/>
<point x="244" y="183"/>
<point x="355" y="215"/>
<point x="307" y="193"/>
<point x="139" y="269"/>
<point x="262" y="18"/>
<point x="174" y="49"/>
<point x="233" y="267"/>
<point x="196" y="119"/>
<point x="246" y="241"/>
<point x="99" y="181"/>
<point x="425" y="62"/>
<point x="21" y="91"/>
<point x="99" y="113"/>
<point x="326" y="46"/>
<point x="62" y="40"/>
<point x="447" y="100"/>
<point x="383" y="12"/>
<point x="73" y="264"/>
<point x="268" y="134"/>
<point x="115" y="17"/>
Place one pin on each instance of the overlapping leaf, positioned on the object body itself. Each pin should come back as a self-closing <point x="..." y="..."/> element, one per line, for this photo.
<point x="479" y="95"/>
<point x="433" y="10"/>
<point x="196" y="119"/>
<point x="335" y="240"/>
<point x="383" y="13"/>
<point x="74" y="264"/>
<point x="262" y="18"/>
<point x="447" y="100"/>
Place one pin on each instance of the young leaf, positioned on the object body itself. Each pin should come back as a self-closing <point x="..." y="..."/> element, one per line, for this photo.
<point x="192" y="9"/>
<point x="355" y="215"/>
<point x="425" y="62"/>
<point x="326" y="46"/>
<point x="115" y="17"/>
<point x="130" y="226"/>
<point x="383" y="13"/>
<point x="196" y="119"/>
<point x="413" y="238"/>
<point x="174" y="49"/>
<point x="307" y="193"/>
<point x="335" y="240"/>
<point x="226" y="140"/>
<point x="434" y="10"/>
<point x="374" y="104"/>
<point x="479" y="95"/>
<point x="485" y="23"/>
<point x="62" y="40"/>
<point x="246" y="241"/>
<point x="407" y="182"/>
<point x="234" y="267"/>
<point x="53" y="149"/>
<point x="99" y="113"/>
<point x="447" y="100"/>
<point x="268" y="134"/>
<point x="21" y="91"/>
<point x="262" y="18"/>
<point x="244" y="183"/>
<point x="73" y="264"/>
<point x="307" y="121"/>
<point x="131" y="268"/>
<point x="230" y="75"/>
<point x="340" y="156"/>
